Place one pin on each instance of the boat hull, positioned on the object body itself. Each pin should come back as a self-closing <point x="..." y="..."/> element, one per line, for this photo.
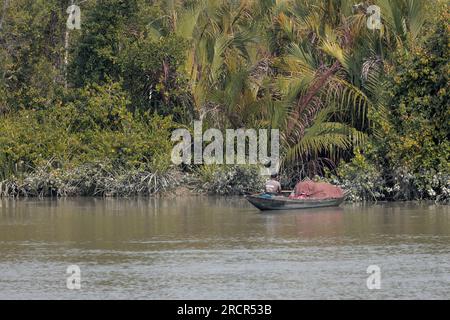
<point x="283" y="203"/>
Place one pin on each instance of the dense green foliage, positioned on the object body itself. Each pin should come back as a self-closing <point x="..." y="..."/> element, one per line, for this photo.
<point x="97" y="126"/>
<point x="412" y="154"/>
<point x="366" y="108"/>
<point x="419" y="106"/>
<point x="228" y="180"/>
<point x="104" y="33"/>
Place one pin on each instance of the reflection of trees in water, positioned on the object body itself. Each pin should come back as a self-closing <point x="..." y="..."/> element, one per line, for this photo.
<point x="111" y="222"/>
<point x="206" y="221"/>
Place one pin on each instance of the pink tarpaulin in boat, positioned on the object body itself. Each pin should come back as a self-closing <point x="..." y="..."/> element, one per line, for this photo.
<point x="317" y="190"/>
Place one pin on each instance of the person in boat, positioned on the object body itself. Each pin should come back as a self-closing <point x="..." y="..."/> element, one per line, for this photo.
<point x="273" y="186"/>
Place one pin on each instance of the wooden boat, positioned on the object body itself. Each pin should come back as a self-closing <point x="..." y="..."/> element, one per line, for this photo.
<point x="264" y="202"/>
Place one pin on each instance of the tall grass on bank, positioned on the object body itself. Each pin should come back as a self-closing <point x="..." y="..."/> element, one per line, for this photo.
<point x="89" y="180"/>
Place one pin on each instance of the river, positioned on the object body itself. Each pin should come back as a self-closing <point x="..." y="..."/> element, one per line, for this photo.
<point x="221" y="248"/>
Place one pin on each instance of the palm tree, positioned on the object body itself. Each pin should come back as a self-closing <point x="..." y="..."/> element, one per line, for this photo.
<point x="218" y="37"/>
<point x="310" y="68"/>
<point x="331" y="75"/>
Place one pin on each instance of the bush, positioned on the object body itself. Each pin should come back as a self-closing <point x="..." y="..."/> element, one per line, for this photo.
<point x="365" y="179"/>
<point x="360" y="178"/>
<point x="152" y="77"/>
<point x="228" y="180"/>
<point x="97" y="126"/>
<point x="416" y="131"/>
<point x="424" y="185"/>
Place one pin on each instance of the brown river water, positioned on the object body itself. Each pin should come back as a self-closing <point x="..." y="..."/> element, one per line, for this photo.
<point x="221" y="248"/>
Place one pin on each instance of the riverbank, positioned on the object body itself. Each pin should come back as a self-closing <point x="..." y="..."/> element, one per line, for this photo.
<point x="99" y="180"/>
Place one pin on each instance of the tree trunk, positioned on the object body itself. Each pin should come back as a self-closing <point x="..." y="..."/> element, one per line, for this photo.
<point x="2" y="18"/>
<point x="66" y="56"/>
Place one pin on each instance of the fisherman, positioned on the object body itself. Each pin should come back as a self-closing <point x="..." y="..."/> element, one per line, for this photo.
<point x="273" y="186"/>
